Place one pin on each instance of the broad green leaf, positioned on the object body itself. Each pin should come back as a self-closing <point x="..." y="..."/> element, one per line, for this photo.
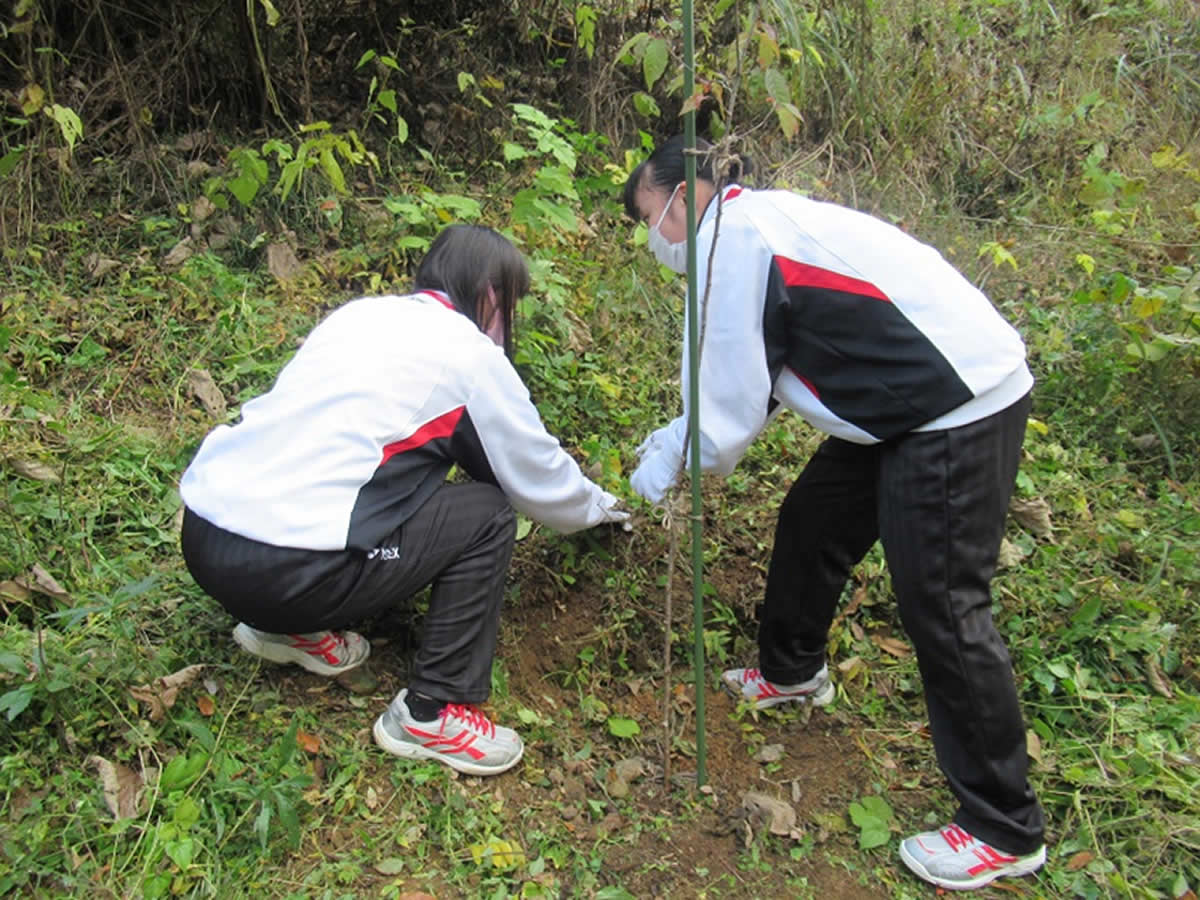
<point x="333" y="171"/>
<point x="768" y="50"/>
<point x="1147" y="303"/>
<point x="15" y="702"/>
<point x="244" y="187"/>
<point x="68" y="123"/>
<point x="364" y="59"/>
<point x="1151" y="352"/>
<point x="646" y="105"/>
<point x="777" y="86"/>
<point x="654" y="61"/>
<point x="1085" y="262"/>
<point x="513" y="151"/>
<point x="789" y="121"/>
<point x="181" y="851"/>
<point x="465" y="80"/>
<point x="387" y="99"/>
<point x="401" y="129"/>
<point x="524" y="526"/>
<point x="632" y="47"/>
<point x="464" y="207"/>
<point x="1131" y="519"/>
<point x="621" y="727"/>
<point x="498" y="853"/>
<point x="187" y="813"/>
<point x="871" y="815"/>
<point x="9" y="161"/>
<point x="533" y="116"/>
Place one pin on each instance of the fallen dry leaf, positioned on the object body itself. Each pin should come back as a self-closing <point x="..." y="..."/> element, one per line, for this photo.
<point x="282" y="262"/>
<point x="14" y="590"/>
<point x="179" y="254"/>
<point x="1032" y="514"/>
<point x="161" y="693"/>
<point x="1079" y="860"/>
<point x="34" y="470"/>
<point x="204" y="389"/>
<point x="202" y="209"/>
<point x="122" y="787"/>
<point x="1010" y="555"/>
<point x="1033" y="746"/>
<point x="98" y="266"/>
<point x="205" y="704"/>
<point x="779" y="817"/>
<point x="1158" y="679"/>
<point x="43" y="581"/>
<point x="309" y="743"/>
<point x="769" y="753"/>
<point x="891" y="645"/>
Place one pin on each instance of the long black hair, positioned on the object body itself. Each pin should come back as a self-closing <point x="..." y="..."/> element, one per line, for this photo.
<point x="665" y="168"/>
<point x="464" y="261"/>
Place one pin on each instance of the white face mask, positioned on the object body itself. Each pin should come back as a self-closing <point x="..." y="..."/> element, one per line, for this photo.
<point x="673" y="256"/>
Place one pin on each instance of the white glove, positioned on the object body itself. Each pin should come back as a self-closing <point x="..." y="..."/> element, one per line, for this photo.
<point x="655" y="441"/>
<point x="609" y="508"/>
<point x="656" y="474"/>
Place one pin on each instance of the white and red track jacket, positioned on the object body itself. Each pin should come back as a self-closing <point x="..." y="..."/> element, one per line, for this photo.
<point x="861" y="329"/>
<point x="364" y="423"/>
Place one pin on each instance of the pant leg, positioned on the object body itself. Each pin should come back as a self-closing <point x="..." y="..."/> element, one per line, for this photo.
<point x="826" y="525"/>
<point x="461" y="542"/>
<point x="943" y="499"/>
<point x="277" y="589"/>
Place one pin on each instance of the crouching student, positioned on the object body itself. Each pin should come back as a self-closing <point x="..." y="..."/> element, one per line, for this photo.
<point x="326" y="504"/>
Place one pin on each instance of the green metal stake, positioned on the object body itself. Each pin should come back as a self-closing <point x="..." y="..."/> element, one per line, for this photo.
<point x="689" y="137"/>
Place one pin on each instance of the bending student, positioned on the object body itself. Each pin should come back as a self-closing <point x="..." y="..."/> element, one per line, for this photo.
<point x="923" y="389"/>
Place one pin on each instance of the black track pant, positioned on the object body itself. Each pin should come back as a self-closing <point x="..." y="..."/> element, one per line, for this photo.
<point x="937" y="500"/>
<point x="460" y="541"/>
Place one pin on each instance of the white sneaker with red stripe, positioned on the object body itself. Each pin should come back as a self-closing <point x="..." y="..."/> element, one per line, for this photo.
<point x="323" y="652"/>
<point x="954" y="859"/>
<point x="461" y="737"/>
<point x="749" y="685"/>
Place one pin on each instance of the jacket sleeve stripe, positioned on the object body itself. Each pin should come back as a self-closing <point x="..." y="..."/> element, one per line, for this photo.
<point x="441" y="427"/>
<point x="798" y="274"/>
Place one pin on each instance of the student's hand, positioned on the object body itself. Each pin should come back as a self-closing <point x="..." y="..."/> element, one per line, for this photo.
<point x="656" y="474"/>
<point x="610" y="507"/>
<point x="655" y="441"/>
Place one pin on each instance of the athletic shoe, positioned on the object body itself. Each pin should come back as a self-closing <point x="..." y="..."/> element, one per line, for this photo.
<point x="461" y="737"/>
<point x="953" y="859"/>
<point x="749" y="685"/>
<point x="323" y="652"/>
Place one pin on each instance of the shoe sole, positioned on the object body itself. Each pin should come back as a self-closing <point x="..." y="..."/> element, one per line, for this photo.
<point x="1015" y="870"/>
<point x="278" y="653"/>
<point x="822" y="696"/>
<point x="409" y="750"/>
